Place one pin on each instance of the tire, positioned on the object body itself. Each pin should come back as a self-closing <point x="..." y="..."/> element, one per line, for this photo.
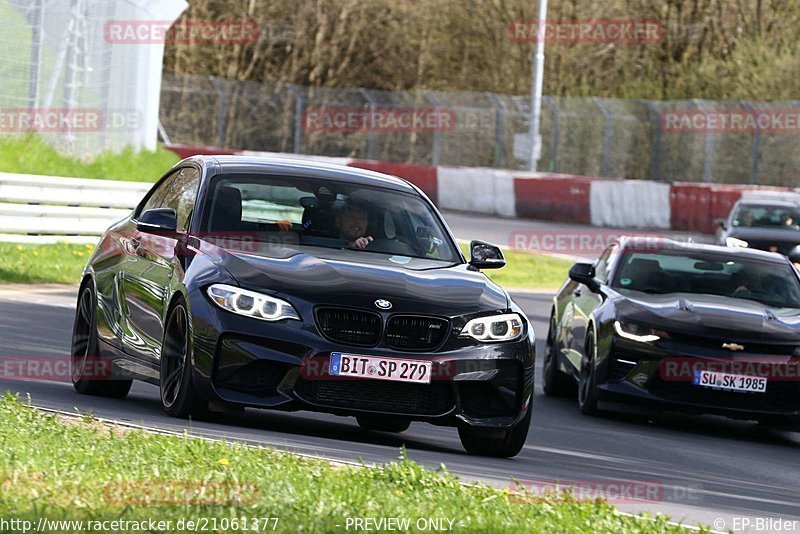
<point x="178" y="395"/>
<point x="383" y="424"/>
<point x="587" y="383"/>
<point x="91" y="374"/>
<point x="476" y="441"/>
<point x="554" y="382"/>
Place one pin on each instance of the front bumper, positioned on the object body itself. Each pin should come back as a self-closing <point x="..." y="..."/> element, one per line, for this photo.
<point x="284" y="365"/>
<point x="637" y="376"/>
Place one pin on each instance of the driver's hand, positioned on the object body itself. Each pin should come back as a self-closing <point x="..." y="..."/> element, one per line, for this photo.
<point x="361" y="242"/>
<point x="284" y="226"/>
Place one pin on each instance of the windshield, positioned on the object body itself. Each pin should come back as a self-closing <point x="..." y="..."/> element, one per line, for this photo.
<point x="310" y="212"/>
<point x="777" y="217"/>
<point x="769" y="283"/>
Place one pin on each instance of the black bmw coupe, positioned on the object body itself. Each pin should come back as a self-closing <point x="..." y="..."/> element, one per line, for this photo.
<point x="253" y="282"/>
<point x="659" y="325"/>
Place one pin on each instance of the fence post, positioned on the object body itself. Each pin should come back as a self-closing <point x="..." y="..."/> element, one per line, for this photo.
<point x="607" y="118"/>
<point x="655" y="149"/>
<point x="371" y="131"/>
<point x="222" y="108"/>
<point x="37" y="35"/>
<point x="437" y="134"/>
<point x="709" y="146"/>
<point x="756" y="144"/>
<point x="299" y="106"/>
<point x="499" y="130"/>
<point x="554" y="131"/>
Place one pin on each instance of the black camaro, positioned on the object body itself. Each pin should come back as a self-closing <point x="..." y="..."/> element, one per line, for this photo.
<point x="656" y="324"/>
<point x="252" y="282"/>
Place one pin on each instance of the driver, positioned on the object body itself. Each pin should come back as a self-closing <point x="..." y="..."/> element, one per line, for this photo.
<point x="351" y="223"/>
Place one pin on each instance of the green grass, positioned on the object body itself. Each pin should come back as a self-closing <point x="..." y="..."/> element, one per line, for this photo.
<point x="33" y="264"/>
<point x="528" y="270"/>
<point x="31" y="155"/>
<point x="83" y="470"/>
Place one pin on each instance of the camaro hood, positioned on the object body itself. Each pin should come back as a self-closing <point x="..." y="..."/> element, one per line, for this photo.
<point x="355" y="278"/>
<point x="764" y="238"/>
<point x="711" y="315"/>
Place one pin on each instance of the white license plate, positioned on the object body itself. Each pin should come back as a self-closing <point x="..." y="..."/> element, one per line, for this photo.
<point x="711" y="379"/>
<point x="394" y="369"/>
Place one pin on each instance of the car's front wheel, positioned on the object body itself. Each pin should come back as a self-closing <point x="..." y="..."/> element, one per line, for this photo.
<point x="383" y="424"/>
<point x="503" y="444"/>
<point x="554" y="382"/>
<point x="178" y="395"/>
<point x="587" y="383"/>
<point x="91" y="374"/>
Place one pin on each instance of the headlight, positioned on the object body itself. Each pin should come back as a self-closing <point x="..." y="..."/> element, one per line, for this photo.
<point x="494" y="328"/>
<point x="251" y="304"/>
<point x="637" y="333"/>
<point x="736" y="242"/>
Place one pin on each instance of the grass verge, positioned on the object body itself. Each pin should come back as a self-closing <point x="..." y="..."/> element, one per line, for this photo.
<point x="526" y="270"/>
<point x="31" y="155"/>
<point x="80" y="470"/>
<point x="37" y="264"/>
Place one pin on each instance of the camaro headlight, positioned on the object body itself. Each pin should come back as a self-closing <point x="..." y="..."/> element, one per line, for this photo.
<point x="736" y="242"/>
<point x="637" y="333"/>
<point x="251" y="304"/>
<point x="494" y="328"/>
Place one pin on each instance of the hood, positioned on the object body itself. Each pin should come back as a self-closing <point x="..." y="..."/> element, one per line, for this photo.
<point x="357" y="278"/>
<point x="712" y="316"/>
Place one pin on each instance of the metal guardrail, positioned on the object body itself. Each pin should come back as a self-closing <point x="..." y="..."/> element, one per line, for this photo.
<point x="49" y="209"/>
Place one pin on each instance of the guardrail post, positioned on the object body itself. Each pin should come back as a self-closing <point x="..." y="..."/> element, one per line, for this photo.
<point x="607" y="118"/>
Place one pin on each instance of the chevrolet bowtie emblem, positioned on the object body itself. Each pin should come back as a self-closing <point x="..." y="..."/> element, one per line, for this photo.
<point x="732" y="346"/>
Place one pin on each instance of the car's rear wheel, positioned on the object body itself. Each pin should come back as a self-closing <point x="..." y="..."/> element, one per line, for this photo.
<point x="554" y="382"/>
<point x="178" y="395"/>
<point x="502" y="444"/>
<point x="91" y="374"/>
<point x="383" y="424"/>
<point x="587" y="382"/>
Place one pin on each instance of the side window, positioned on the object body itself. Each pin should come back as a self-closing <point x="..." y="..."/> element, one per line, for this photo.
<point x="181" y="196"/>
<point x="156" y="199"/>
<point x="603" y="264"/>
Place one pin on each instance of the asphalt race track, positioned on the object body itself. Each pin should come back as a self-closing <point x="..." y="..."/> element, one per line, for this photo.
<point x="706" y="467"/>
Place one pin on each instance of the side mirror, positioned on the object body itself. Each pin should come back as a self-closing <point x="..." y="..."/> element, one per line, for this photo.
<point x="722" y="223"/>
<point x="158" y="221"/>
<point x="485" y="255"/>
<point x="583" y="273"/>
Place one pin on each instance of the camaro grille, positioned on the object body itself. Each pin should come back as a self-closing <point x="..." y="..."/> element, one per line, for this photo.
<point x="412" y="332"/>
<point x="379" y="396"/>
<point x="354" y="327"/>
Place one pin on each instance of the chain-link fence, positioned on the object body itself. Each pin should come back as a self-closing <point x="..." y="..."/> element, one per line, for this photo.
<point x="64" y="75"/>
<point x="634" y="139"/>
